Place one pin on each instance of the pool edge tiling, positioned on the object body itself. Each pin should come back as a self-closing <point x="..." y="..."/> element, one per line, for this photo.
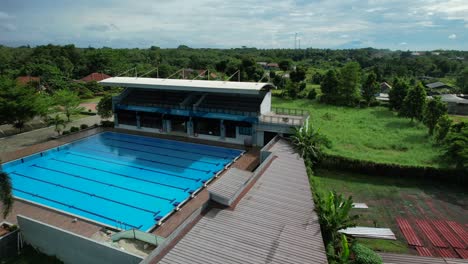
<point x="118" y="180"/>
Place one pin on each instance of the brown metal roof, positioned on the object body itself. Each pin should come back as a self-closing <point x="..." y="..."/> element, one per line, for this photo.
<point x="226" y="189"/>
<point x="274" y="222"/>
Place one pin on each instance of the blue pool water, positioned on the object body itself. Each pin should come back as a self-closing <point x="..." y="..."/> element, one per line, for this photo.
<point x="121" y="180"/>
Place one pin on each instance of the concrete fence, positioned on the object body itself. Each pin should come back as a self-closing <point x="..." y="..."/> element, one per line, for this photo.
<point x="69" y="247"/>
<point x="9" y="245"/>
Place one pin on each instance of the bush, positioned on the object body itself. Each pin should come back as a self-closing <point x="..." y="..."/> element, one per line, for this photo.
<point x="105" y="123"/>
<point x="336" y="162"/>
<point x="312" y="94"/>
<point x="374" y="103"/>
<point x="74" y="129"/>
<point x="66" y="132"/>
<point x="365" y="255"/>
<point x="84" y="126"/>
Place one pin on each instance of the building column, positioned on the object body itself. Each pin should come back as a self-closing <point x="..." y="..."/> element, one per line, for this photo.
<point x="116" y="120"/>
<point x="190" y="127"/>
<point x="222" y="129"/>
<point x="138" y="120"/>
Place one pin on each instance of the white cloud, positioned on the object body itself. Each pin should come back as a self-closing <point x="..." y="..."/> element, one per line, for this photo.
<point x="4" y="15"/>
<point x="259" y="23"/>
<point x="452" y="36"/>
<point x="8" y="27"/>
<point x="403" y="44"/>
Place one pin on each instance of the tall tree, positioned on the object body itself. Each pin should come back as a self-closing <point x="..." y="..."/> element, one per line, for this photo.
<point x="285" y="65"/>
<point x="17" y="103"/>
<point x="329" y="87"/>
<point x="68" y="102"/>
<point x="104" y="107"/>
<point x="414" y="103"/>
<point x="370" y="88"/>
<point x="434" y="110"/>
<point x="298" y="75"/>
<point x="398" y="93"/>
<point x="456" y="146"/>
<point x="462" y="81"/>
<point x="350" y="82"/>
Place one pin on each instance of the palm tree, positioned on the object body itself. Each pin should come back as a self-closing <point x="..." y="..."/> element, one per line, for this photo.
<point x="6" y="196"/>
<point x="334" y="215"/>
<point x="309" y="143"/>
<point x="58" y="123"/>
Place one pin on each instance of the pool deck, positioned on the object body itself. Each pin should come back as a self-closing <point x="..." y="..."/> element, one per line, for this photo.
<point x="87" y="228"/>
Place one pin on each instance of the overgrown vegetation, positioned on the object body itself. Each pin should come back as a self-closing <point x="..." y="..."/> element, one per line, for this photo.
<point x="6" y="196"/>
<point x="374" y="134"/>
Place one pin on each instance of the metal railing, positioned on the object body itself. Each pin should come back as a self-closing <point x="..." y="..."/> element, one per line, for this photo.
<point x="197" y="109"/>
<point x="289" y="111"/>
<point x="282" y="120"/>
<point x="138" y="235"/>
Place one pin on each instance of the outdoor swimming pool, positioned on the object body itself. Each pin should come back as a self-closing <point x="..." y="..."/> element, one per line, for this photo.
<point x="121" y="180"/>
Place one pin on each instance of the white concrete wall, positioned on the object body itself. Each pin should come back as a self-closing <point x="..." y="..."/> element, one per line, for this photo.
<point x="265" y="106"/>
<point x="69" y="247"/>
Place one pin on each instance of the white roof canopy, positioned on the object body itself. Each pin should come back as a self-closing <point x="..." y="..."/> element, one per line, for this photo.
<point x="188" y="85"/>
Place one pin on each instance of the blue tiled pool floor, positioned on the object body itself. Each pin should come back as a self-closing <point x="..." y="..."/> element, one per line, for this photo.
<point x="121" y="180"/>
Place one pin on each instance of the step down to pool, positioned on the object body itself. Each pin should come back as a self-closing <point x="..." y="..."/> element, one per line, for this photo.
<point x="229" y="186"/>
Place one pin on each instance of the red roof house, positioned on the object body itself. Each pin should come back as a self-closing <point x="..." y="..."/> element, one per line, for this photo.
<point x="95" y="76"/>
<point x="25" y="80"/>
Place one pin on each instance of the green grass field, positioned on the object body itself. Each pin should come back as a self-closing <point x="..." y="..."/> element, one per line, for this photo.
<point x="374" y="134"/>
<point x="389" y="198"/>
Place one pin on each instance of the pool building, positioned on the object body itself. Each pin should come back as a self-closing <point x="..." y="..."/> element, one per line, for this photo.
<point x="231" y="112"/>
<point x="193" y="172"/>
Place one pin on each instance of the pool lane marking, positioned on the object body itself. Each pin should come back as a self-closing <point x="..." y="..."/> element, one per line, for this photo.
<point x="132" y="166"/>
<point x="160" y="162"/>
<point x="74" y="207"/>
<point x="104" y="183"/>
<point x="87" y="193"/>
<point x="122" y="175"/>
<point x="170" y="142"/>
<point x="175" y="149"/>
<point x="149" y="152"/>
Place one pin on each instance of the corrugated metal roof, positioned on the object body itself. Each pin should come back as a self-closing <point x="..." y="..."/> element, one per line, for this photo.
<point x="412" y="259"/>
<point x="188" y="85"/>
<point x="274" y="222"/>
<point x="229" y="186"/>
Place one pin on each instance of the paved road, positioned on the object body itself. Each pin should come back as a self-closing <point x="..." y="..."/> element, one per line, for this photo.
<point x="22" y="140"/>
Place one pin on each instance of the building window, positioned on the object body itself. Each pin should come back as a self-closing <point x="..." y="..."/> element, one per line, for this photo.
<point x="151" y="120"/>
<point x="178" y="123"/>
<point x="126" y="117"/>
<point x="230" y="128"/>
<point x="247" y="131"/>
<point x="206" y="126"/>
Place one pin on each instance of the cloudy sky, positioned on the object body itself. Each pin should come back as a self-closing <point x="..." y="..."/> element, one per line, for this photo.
<point x="393" y="24"/>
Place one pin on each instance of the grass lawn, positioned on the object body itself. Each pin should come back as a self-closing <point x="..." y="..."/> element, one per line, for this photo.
<point x="389" y="198"/>
<point x="374" y="134"/>
<point x="459" y="118"/>
<point x="92" y="100"/>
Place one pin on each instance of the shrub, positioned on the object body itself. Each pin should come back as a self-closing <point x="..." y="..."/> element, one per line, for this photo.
<point x="65" y="132"/>
<point x="105" y="123"/>
<point x="312" y="94"/>
<point x="374" y="103"/>
<point x="74" y="129"/>
<point x="84" y="126"/>
<point x="365" y="255"/>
